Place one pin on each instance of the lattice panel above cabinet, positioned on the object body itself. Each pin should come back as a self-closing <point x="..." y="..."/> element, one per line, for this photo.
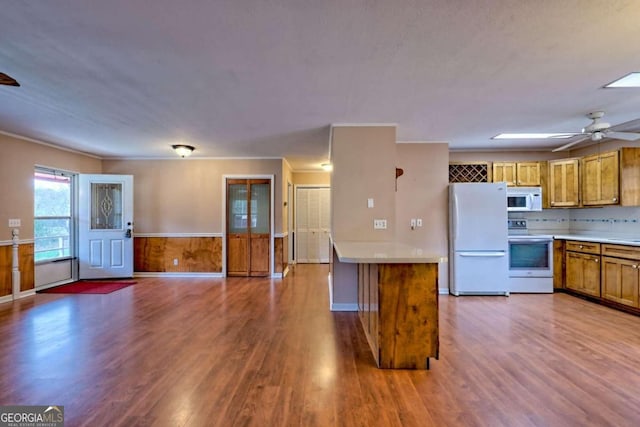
<point x="469" y="172"/>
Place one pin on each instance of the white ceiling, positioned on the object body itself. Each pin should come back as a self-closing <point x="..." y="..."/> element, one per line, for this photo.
<point x="266" y="78"/>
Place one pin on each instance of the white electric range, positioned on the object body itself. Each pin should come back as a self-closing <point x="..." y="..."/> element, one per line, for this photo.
<point x="530" y="259"/>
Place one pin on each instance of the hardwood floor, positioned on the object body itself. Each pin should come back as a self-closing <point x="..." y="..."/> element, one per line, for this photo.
<point x="202" y="352"/>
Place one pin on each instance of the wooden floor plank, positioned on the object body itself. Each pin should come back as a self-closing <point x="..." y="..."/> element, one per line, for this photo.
<point x="240" y="351"/>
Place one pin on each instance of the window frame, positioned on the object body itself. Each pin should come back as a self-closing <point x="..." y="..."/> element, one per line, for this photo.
<point x="71" y="218"/>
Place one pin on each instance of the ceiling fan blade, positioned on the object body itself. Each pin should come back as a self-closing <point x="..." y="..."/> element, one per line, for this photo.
<point x="571" y="144"/>
<point x="627" y="136"/>
<point x="8" y="80"/>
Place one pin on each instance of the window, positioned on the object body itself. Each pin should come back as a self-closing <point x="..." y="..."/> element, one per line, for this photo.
<point x="52" y="216"/>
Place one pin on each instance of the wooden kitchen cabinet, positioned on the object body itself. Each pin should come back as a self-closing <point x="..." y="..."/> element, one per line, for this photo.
<point x="398" y="309"/>
<point x="621" y="274"/>
<point x="600" y="179"/>
<point x="558" y="264"/>
<point x="504" y="171"/>
<point x="582" y="267"/>
<point x="620" y="279"/>
<point x="525" y="174"/>
<point x="564" y="180"/>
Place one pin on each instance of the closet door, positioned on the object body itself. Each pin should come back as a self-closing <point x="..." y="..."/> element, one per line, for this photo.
<point x="248" y="227"/>
<point x="312" y="225"/>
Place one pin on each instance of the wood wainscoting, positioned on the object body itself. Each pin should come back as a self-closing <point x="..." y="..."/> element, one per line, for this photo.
<point x="281" y="253"/>
<point x="25" y="259"/>
<point x="194" y="254"/>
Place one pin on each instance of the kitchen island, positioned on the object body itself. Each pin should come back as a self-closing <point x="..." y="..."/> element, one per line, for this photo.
<point x="397" y="294"/>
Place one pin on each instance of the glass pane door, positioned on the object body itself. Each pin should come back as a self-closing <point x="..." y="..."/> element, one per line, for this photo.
<point x="260" y="208"/>
<point x="238" y="209"/>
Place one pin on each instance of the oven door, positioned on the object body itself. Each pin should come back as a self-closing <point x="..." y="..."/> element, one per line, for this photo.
<point x="530" y="257"/>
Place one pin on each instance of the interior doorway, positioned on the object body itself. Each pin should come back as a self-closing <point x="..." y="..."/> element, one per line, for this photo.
<point x="249" y="243"/>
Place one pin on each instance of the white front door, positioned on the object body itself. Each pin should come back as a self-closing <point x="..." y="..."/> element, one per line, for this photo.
<point x="105" y="226"/>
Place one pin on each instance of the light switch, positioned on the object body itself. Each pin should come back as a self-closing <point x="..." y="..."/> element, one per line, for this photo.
<point x="419" y="222"/>
<point x="14" y="222"/>
<point x="369" y="203"/>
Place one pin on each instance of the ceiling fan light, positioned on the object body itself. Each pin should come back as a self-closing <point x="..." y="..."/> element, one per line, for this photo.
<point x="183" y="150"/>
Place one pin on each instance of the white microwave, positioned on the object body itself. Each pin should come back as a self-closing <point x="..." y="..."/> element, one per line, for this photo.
<point x="521" y="199"/>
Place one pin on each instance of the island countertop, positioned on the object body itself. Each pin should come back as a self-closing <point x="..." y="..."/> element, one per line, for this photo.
<point x="383" y="253"/>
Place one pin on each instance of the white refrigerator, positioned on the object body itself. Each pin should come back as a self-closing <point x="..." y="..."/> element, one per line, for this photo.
<point x="478" y="242"/>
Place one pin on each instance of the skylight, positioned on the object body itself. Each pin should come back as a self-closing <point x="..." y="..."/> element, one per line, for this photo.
<point x="534" y="135"/>
<point x="630" y="80"/>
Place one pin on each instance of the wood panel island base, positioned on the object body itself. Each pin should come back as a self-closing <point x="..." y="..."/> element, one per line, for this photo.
<point x="397" y="301"/>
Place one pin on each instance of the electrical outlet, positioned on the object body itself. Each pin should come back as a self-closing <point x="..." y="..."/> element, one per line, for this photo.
<point x="175" y="261"/>
<point x="14" y="223"/>
<point x="379" y="224"/>
<point x="419" y="222"/>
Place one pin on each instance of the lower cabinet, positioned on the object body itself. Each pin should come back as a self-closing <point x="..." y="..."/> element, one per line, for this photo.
<point x="608" y="272"/>
<point x="583" y="268"/>
<point x="621" y="274"/>
<point x="398" y="309"/>
<point x="620" y="279"/>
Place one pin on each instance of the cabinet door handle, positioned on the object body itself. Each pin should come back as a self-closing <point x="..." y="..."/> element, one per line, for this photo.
<point x="596" y="260"/>
<point x="581" y="247"/>
<point x="615" y="199"/>
<point x="634" y="266"/>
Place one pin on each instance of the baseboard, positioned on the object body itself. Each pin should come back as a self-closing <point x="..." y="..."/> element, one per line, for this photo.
<point x="177" y="274"/>
<point x="344" y="306"/>
<point x="23" y="294"/>
<point x="443" y="291"/>
<point x="277" y="275"/>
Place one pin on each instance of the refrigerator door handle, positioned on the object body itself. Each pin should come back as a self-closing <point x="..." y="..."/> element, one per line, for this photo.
<point x="483" y="254"/>
<point x="456" y="217"/>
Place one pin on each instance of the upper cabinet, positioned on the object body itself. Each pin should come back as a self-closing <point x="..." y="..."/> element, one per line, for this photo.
<point x="564" y="179"/>
<point x="600" y="179"/>
<point x="526" y="174"/>
<point x="611" y="178"/>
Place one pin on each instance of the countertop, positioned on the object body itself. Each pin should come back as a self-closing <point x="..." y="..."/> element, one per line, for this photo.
<point x="630" y="241"/>
<point x="383" y="253"/>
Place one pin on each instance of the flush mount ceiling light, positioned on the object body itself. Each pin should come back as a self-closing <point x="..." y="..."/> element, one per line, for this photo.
<point x="8" y="80"/>
<point x="183" y="150"/>
<point x="630" y="80"/>
<point x="534" y="135"/>
<point x="328" y="167"/>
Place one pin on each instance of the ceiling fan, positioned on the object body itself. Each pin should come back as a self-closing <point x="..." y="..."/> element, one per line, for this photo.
<point x="598" y="130"/>
<point x="8" y="80"/>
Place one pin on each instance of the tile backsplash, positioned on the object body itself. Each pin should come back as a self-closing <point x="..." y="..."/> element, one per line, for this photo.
<point x="612" y="221"/>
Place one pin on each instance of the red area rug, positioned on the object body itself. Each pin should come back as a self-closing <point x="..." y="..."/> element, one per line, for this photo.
<point x="90" y="287"/>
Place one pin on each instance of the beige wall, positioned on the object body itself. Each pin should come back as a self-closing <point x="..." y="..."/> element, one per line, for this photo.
<point x="185" y="195"/>
<point x="363" y="160"/>
<point x="423" y="193"/>
<point x="311" y="178"/>
<point x="504" y="156"/>
<point x="17" y="163"/>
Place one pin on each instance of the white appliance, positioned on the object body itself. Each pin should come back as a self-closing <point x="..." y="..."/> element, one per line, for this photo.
<point x="530" y="260"/>
<point x="478" y="248"/>
<point x="522" y="199"/>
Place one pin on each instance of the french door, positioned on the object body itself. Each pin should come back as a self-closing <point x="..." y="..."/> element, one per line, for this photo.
<point x="248" y="227"/>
